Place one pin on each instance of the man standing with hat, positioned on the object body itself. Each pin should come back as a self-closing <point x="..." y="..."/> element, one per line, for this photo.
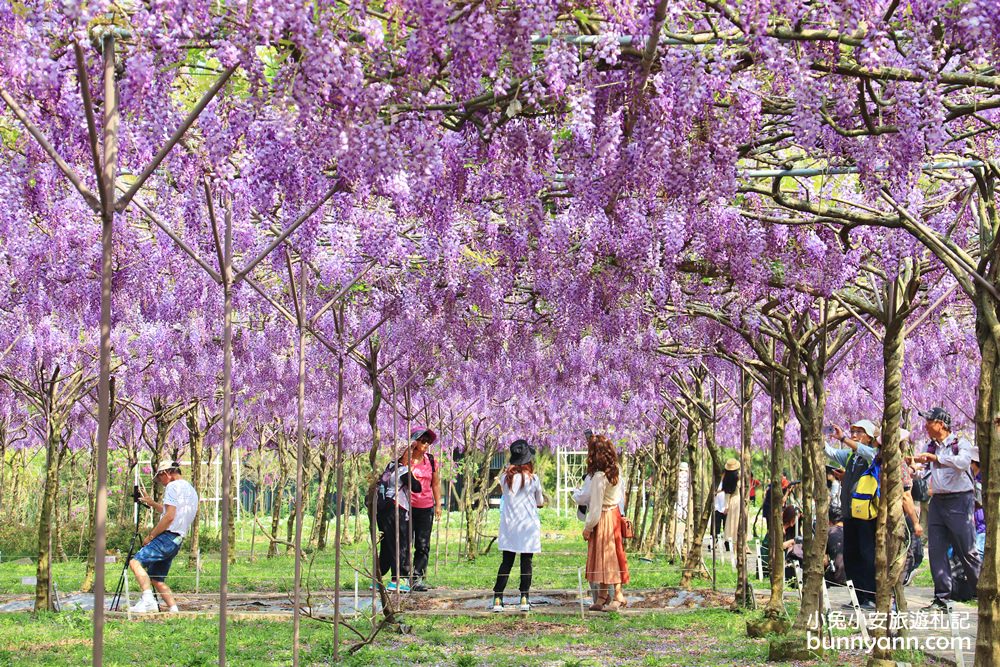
<point x="950" y="520"/>
<point x="152" y="561"/>
<point x="859" y="535"/>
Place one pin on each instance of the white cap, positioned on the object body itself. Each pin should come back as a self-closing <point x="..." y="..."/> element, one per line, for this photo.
<point x="867" y="426"/>
<point x="166" y="465"/>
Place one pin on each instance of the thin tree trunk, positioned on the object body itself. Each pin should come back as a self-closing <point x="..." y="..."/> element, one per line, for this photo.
<point x="196" y="443"/>
<point x="43" y="570"/>
<point x="890" y="531"/>
<point x="815" y="496"/>
<point x="743" y="597"/>
<point x="775" y="608"/>
<point x="330" y="502"/>
<point x="693" y="563"/>
<point x="988" y="440"/>
<point x="88" y="576"/>
<point x="673" y="461"/>
<point x="277" y="497"/>
<point x="659" y="500"/>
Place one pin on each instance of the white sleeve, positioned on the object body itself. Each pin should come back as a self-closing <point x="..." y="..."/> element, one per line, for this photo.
<point x="596" y="506"/>
<point x="539" y="496"/>
<point x="581" y="496"/>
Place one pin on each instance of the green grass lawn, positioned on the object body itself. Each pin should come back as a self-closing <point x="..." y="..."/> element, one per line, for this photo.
<point x="563" y="554"/>
<point x="686" y="637"/>
<point x="704" y="637"/>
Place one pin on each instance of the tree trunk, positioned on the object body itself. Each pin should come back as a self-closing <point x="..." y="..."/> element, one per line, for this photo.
<point x="162" y="429"/>
<point x="640" y="503"/>
<point x="232" y="512"/>
<point x="650" y="538"/>
<point x="3" y="460"/>
<point x="330" y="504"/>
<point x="809" y="409"/>
<point x="88" y="576"/>
<point x="693" y="564"/>
<point x="890" y="531"/>
<point x="196" y="443"/>
<point x="43" y="570"/>
<point x="671" y="474"/>
<point x="277" y="497"/>
<point x="775" y="608"/>
<point x="988" y="440"/>
<point x="744" y="597"/>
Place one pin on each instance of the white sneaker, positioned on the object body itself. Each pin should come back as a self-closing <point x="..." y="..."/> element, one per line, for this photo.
<point x="525" y="605"/>
<point x="173" y="609"/>
<point x="497" y="604"/>
<point x="144" y="606"/>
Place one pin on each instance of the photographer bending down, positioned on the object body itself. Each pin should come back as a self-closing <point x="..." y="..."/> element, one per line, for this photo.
<point x="152" y="561"/>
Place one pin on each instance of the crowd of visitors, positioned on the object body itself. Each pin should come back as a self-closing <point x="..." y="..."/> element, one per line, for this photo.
<point x="941" y="490"/>
<point x="941" y="495"/>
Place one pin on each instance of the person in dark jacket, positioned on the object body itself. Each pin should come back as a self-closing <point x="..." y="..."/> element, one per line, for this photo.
<point x="835" y="571"/>
<point x="393" y="519"/>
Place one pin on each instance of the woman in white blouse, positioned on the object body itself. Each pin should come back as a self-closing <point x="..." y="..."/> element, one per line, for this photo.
<point x="607" y="566"/>
<point x="520" y="528"/>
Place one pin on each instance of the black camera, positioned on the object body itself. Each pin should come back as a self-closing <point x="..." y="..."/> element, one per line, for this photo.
<point x="136" y="496"/>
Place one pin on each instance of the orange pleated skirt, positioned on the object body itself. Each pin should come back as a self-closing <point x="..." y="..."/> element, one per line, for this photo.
<point x="606" y="561"/>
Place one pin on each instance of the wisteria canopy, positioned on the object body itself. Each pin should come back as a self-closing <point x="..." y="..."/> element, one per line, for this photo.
<point x="542" y="215"/>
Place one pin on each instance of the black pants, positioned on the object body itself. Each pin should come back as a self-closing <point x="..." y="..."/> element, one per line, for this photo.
<point x="388" y="546"/>
<point x="505" y="567"/>
<point x="859" y="556"/>
<point x="423" y="522"/>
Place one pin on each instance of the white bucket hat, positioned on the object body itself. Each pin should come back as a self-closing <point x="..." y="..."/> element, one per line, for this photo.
<point x="867" y="426"/>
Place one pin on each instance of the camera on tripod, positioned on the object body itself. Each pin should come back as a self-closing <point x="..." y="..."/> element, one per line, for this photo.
<point x="117" y="598"/>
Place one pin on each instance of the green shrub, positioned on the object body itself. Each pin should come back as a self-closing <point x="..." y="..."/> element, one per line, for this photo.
<point x="17" y="540"/>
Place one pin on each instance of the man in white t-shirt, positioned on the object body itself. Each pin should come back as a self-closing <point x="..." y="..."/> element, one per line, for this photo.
<point x="151" y="563"/>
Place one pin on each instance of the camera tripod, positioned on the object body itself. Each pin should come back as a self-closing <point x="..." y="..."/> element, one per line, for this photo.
<point x="116" y="600"/>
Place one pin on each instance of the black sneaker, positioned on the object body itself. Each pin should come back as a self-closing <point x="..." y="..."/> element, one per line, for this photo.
<point x="910" y="576"/>
<point x="419" y="586"/>
<point x="868" y="605"/>
<point x="937" y="604"/>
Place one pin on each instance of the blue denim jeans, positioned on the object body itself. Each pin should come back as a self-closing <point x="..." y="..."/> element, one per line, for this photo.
<point x="157" y="556"/>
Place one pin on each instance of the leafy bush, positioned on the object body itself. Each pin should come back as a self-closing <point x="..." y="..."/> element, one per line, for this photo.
<point x="17" y="540"/>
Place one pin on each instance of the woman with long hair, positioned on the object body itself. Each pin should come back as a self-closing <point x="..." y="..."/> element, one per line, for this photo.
<point x="520" y="527"/>
<point x="426" y="503"/>
<point x="607" y="567"/>
<point x="730" y="486"/>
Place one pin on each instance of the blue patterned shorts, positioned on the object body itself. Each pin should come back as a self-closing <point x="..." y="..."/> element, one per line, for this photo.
<point x="157" y="556"/>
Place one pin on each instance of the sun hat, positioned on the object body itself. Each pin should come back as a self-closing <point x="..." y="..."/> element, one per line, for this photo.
<point x="866" y="425"/>
<point x="165" y="466"/>
<point x="421" y="432"/>
<point x="521" y="453"/>
<point x="732" y="464"/>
